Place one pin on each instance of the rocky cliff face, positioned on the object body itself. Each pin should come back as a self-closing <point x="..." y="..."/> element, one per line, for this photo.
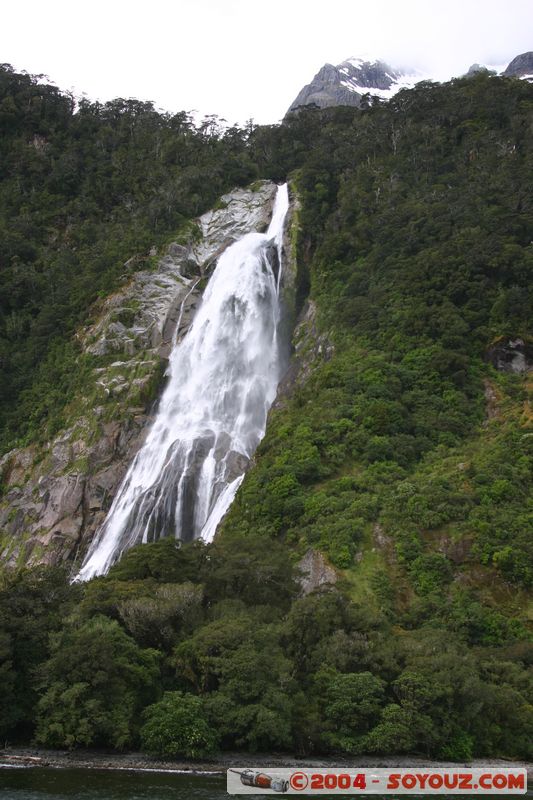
<point x="56" y="496"/>
<point x="346" y="83"/>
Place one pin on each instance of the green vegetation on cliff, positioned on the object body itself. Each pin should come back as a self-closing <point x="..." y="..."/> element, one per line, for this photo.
<point x="83" y="187"/>
<point x="404" y="457"/>
<point x="419" y="217"/>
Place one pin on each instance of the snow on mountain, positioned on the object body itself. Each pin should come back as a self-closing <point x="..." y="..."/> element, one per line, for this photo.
<point x="376" y="77"/>
<point x="348" y="82"/>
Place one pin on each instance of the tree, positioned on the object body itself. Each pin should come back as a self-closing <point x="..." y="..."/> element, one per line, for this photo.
<point x="9" y="711"/>
<point x="237" y="664"/>
<point x="251" y="568"/>
<point x="33" y="604"/>
<point x="177" y="726"/>
<point x="350" y="704"/>
<point x="394" y="733"/>
<point x="95" y="683"/>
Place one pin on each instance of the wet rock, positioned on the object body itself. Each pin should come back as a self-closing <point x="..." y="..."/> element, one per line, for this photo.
<point x="236" y="464"/>
<point x="240" y="212"/>
<point x="311" y="347"/>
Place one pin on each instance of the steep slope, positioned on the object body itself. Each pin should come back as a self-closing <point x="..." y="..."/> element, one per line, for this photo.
<point x="404" y="452"/>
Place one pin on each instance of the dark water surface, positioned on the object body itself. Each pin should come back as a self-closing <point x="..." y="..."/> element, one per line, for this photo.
<point x="47" y="783"/>
<point x="44" y="783"/>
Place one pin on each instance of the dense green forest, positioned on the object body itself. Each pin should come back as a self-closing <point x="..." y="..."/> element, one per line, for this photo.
<point x="415" y="245"/>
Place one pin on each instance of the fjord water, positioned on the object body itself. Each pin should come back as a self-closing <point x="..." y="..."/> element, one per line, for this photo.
<point x="212" y="415"/>
<point x="93" y="784"/>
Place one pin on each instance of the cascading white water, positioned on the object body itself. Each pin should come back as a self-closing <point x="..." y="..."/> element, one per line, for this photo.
<point x="212" y="414"/>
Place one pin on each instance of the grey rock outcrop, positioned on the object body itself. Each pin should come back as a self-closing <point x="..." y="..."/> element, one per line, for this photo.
<point x="475" y="69"/>
<point x="326" y="90"/>
<point x="311" y="347"/>
<point x="315" y="572"/>
<point x="511" y="355"/>
<point x="56" y="496"/>
<point x="239" y="212"/>
<point x="143" y="315"/>
<point x="521" y="66"/>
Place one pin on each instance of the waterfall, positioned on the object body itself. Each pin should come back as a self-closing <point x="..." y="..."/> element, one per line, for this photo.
<point x="212" y="415"/>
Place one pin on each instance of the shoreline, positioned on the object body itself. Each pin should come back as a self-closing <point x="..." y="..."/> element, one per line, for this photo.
<point x="11" y="757"/>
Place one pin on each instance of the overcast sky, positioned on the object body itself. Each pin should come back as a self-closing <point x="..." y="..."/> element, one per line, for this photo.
<point x="244" y="59"/>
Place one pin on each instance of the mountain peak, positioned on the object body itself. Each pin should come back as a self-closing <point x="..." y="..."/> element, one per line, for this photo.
<point x="521" y="66"/>
<point x="364" y="58"/>
<point x="346" y="83"/>
<point x="366" y="73"/>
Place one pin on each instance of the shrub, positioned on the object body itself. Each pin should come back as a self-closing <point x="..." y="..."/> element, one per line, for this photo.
<point x="177" y="726"/>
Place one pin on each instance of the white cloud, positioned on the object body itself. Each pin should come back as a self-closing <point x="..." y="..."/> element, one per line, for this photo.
<point x="248" y="58"/>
